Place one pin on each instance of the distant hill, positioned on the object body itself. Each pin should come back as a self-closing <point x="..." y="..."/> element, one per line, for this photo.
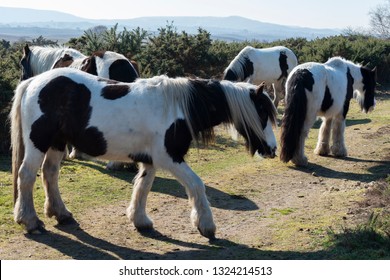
<point x="19" y="23"/>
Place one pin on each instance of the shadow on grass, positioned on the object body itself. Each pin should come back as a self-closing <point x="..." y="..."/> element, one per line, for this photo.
<point x="171" y="187"/>
<point x="378" y="171"/>
<point x="361" y="243"/>
<point x="348" y="122"/>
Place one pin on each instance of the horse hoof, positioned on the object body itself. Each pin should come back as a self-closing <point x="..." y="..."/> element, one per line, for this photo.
<point x="210" y="234"/>
<point x="39" y="229"/>
<point x="67" y="221"/>
<point x="145" y="229"/>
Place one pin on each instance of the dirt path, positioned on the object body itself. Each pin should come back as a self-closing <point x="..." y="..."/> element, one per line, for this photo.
<point x="276" y="211"/>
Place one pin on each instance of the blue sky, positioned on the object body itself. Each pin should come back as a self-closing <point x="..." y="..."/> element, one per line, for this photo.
<point x="307" y="13"/>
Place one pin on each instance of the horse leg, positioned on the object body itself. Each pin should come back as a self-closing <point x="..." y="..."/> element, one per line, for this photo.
<point x="115" y="165"/>
<point x="278" y="92"/>
<point x="75" y="154"/>
<point x="54" y="206"/>
<point x="299" y="158"/>
<point x="322" y="148"/>
<point x="338" y="148"/>
<point x="136" y="211"/>
<point x="24" y="211"/>
<point x="201" y="215"/>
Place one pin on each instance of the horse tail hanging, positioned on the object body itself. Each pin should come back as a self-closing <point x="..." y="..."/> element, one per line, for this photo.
<point x="295" y="112"/>
<point x="17" y="133"/>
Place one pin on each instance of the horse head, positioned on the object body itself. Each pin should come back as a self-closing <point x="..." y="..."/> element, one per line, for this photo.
<point x="25" y="62"/>
<point x="367" y="101"/>
<point x="267" y="113"/>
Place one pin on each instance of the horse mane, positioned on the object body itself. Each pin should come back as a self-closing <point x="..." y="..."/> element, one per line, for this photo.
<point x="182" y="94"/>
<point x="43" y="58"/>
<point x="338" y="62"/>
<point x="242" y="109"/>
<point x="238" y="64"/>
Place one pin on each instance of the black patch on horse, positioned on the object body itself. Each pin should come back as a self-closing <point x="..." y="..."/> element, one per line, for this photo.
<point x="64" y="61"/>
<point x="113" y="92"/>
<point x="283" y="65"/>
<point x="295" y="112"/>
<point x="208" y="107"/>
<point x="66" y="113"/>
<point x="230" y="76"/>
<point x="349" y="94"/>
<point x="247" y="70"/>
<point x="141" y="157"/>
<point x="369" y="82"/>
<point x="89" y="65"/>
<point x="99" y="54"/>
<point x="327" y="102"/>
<point x="122" y="70"/>
<point x="177" y="140"/>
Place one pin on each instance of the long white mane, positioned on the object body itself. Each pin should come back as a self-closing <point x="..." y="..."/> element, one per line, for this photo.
<point x="43" y="58"/>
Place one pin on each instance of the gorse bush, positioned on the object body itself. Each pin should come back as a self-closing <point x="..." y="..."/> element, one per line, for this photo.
<point x="175" y="53"/>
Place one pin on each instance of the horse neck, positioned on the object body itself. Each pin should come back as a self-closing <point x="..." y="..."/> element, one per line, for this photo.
<point x="357" y="76"/>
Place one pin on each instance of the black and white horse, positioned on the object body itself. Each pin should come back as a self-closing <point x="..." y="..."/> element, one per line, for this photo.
<point x="106" y="64"/>
<point x="325" y="90"/>
<point x="155" y="121"/>
<point x="271" y="65"/>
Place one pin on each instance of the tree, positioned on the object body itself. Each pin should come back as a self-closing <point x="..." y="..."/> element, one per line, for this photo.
<point x="380" y="20"/>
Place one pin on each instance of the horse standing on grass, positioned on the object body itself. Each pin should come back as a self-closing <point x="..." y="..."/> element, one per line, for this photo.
<point x="271" y="65"/>
<point x="106" y="64"/>
<point x="156" y="120"/>
<point x="325" y="90"/>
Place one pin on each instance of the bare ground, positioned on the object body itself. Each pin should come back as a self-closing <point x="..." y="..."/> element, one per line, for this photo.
<point x="276" y="211"/>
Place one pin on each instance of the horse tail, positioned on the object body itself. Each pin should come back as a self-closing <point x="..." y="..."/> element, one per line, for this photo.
<point x="17" y="144"/>
<point x="295" y="112"/>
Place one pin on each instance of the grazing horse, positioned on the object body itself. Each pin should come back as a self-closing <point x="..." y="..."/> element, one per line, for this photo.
<point x="106" y="64"/>
<point x="271" y="65"/>
<point x="155" y="121"/>
<point x="325" y="90"/>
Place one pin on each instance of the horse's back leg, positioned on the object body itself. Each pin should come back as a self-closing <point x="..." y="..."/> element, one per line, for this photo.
<point x="322" y="147"/>
<point x="278" y="92"/>
<point x="136" y="211"/>
<point x="24" y="211"/>
<point x="54" y="206"/>
<point x="338" y="148"/>
<point x="299" y="157"/>
<point x="201" y="215"/>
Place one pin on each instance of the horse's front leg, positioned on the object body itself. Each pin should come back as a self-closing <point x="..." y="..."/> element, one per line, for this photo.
<point x="322" y="148"/>
<point x="201" y="215"/>
<point x="136" y="211"/>
<point x="338" y="148"/>
<point x="54" y="206"/>
<point x="24" y="211"/>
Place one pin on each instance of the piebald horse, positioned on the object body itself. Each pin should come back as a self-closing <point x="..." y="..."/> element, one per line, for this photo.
<point x="106" y="64"/>
<point x="324" y="90"/>
<point x="271" y="65"/>
<point x="155" y="121"/>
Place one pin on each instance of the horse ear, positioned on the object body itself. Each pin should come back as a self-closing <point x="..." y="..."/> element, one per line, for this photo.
<point x="260" y="88"/>
<point x="26" y="50"/>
